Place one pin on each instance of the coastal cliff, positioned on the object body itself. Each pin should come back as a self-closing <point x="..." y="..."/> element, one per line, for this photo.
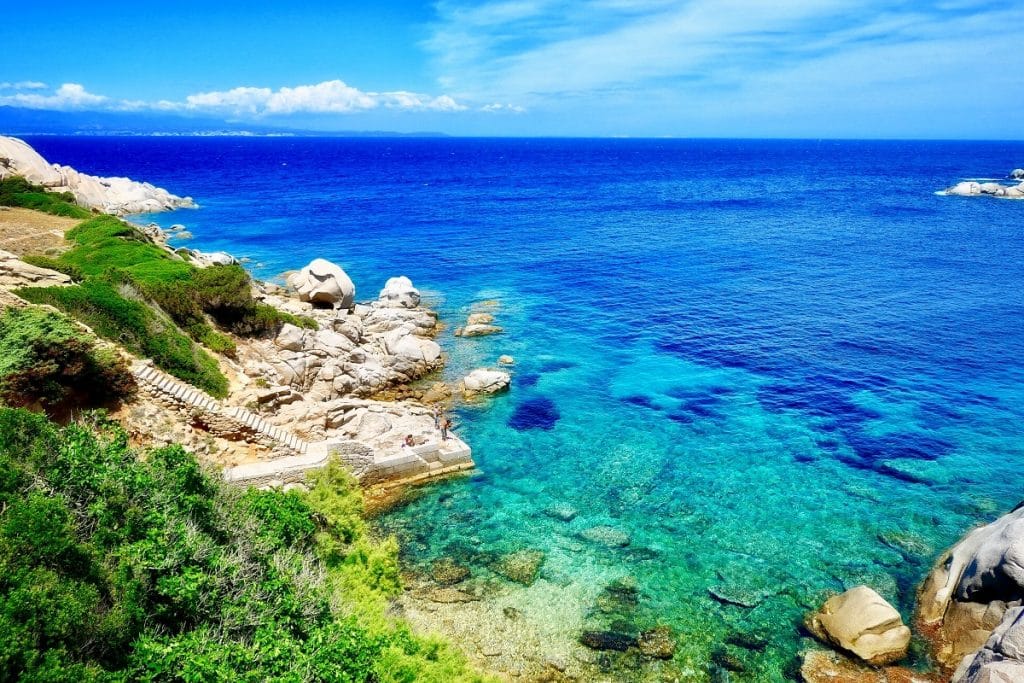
<point x="116" y="196"/>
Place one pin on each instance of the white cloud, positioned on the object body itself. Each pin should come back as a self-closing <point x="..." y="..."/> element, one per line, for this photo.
<point x="329" y="97"/>
<point x="22" y="85"/>
<point x="67" y="96"/>
<point x="498" y="106"/>
<point x="335" y="97"/>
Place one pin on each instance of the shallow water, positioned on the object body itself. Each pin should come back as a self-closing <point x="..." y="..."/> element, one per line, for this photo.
<point x="782" y="368"/>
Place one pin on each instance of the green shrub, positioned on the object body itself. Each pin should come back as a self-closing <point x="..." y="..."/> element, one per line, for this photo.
<point x="135" y="326"/>
<point x="16" y="191"/>
<point x="115" y="567"/>
<point x="46" y="359"/>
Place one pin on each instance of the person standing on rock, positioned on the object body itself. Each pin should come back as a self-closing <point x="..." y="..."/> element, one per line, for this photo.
<point x="437" y="417"/>
<point x="446" y="426"/>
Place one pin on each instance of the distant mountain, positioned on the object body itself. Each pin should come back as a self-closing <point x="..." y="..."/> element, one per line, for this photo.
<point x="21" y="121"/>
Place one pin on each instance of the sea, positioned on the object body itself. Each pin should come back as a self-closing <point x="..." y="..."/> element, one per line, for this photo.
<point x="749" y="374"/>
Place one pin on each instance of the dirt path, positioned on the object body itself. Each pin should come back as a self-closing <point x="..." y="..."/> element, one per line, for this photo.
<point x="23" y="231"/>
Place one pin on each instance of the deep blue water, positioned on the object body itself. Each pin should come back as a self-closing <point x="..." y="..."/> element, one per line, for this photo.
<point x="782" y="367"/>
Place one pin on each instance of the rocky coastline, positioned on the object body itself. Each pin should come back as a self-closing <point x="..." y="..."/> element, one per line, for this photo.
<point x="116" y="196"/>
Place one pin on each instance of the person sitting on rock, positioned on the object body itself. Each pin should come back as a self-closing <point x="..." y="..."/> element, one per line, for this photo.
<point x="409" y="441"/>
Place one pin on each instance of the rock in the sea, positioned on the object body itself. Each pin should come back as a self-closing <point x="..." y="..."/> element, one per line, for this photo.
<point x="479" y="319"/>
<point x="477" y="330"/>
<point x="608" y="640"/>
<point x="521" y="566"/>
<point x="563" y="512"/>
<point x="485" y="381"/>
<point x="450" y="596"/>
<point x="506" y="360"/>
<point x="860" y="621"/>
<point x="972" y="586"/>
<point x="118" y="196"/>
<point x="1017" y="174"/>
<point x="322" y="282"/>
<point x="821" y="666"/>
<point x="448" y="572"/>
<point x="1001" y="660"/>
<point x="398" y="292"/>
<point x="973" y="189"/>
<point x="657" y="643"/>
<point x="607" y="536"/>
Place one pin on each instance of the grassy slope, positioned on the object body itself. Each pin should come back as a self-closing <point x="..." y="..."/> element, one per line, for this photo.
<point x="116" y="567"/>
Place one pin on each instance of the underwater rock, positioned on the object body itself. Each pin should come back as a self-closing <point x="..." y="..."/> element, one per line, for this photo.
<point x="535" y="413"/>
<point x="563" y="512"/>
<point x="450" y="596"/>
<point x="506" y="360"/>
<point x="479" y="319"/>
<point x="607" y="536"/>
<point x="522" y="566"/>
<point x="619" y="597"/>
<point x="608" y="640"/>
<point x="862" y="622"/>
<point x="738" y="595"/>
<point x="824" y="666"/>
<point x="477" y="330"/>
<point x="511" y="613"/>
<point x="657" y="643"/>
<point x="448" y="572"/>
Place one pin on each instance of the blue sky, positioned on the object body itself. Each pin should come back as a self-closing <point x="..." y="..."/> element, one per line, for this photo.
<point x="724" y="68"/>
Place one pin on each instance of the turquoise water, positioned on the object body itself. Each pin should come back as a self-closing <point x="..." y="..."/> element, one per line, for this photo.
<point x="781" y="368"/>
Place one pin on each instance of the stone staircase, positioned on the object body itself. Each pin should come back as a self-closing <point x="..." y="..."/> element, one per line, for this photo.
<point x="188" y="395"/>
<point x="370" y="467"/>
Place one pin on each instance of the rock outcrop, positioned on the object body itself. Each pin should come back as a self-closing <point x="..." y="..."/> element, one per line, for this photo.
<point x="485" y="381"/>
<point x="398" y="292"/>
<point x="972" y="587"/>
<point x="1017" y="174"/>
<point x="861" y="622"/>
<point x="974" y="189"/>
<point x="1001" y="660"/>
<point x="322" y="282"/>
<point x="16" y="273"/>
<point x="118" y="196"/>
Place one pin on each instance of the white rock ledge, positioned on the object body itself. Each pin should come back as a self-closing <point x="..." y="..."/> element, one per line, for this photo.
<point x="117" y="196"/>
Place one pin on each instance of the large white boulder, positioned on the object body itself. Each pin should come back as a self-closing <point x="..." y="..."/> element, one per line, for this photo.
<point x="485" y="381"/>
<point x="18" y="158"/>
<point x="398" y="292"/>
<point x="323" y="282"/>
<point x="1017" y="174"/>
<point x="861" y="622"/>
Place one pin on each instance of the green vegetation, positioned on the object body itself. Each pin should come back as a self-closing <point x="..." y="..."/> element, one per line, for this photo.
<point x="142" y="330"/>
<point x="114" y="567"/>
<point x="46" y="359"/>
<point x="16" y="191"/>
<point x="138" y="295"/>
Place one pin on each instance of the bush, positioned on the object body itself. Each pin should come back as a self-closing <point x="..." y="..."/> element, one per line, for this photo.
<point x="46" y="359"/>
<point x="16" y="191"/>
<point x="135" y="326"/>
<point x="114" y="567"/>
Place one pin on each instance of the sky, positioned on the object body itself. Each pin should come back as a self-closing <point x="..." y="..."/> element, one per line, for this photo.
<point x="640" y="68"/>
